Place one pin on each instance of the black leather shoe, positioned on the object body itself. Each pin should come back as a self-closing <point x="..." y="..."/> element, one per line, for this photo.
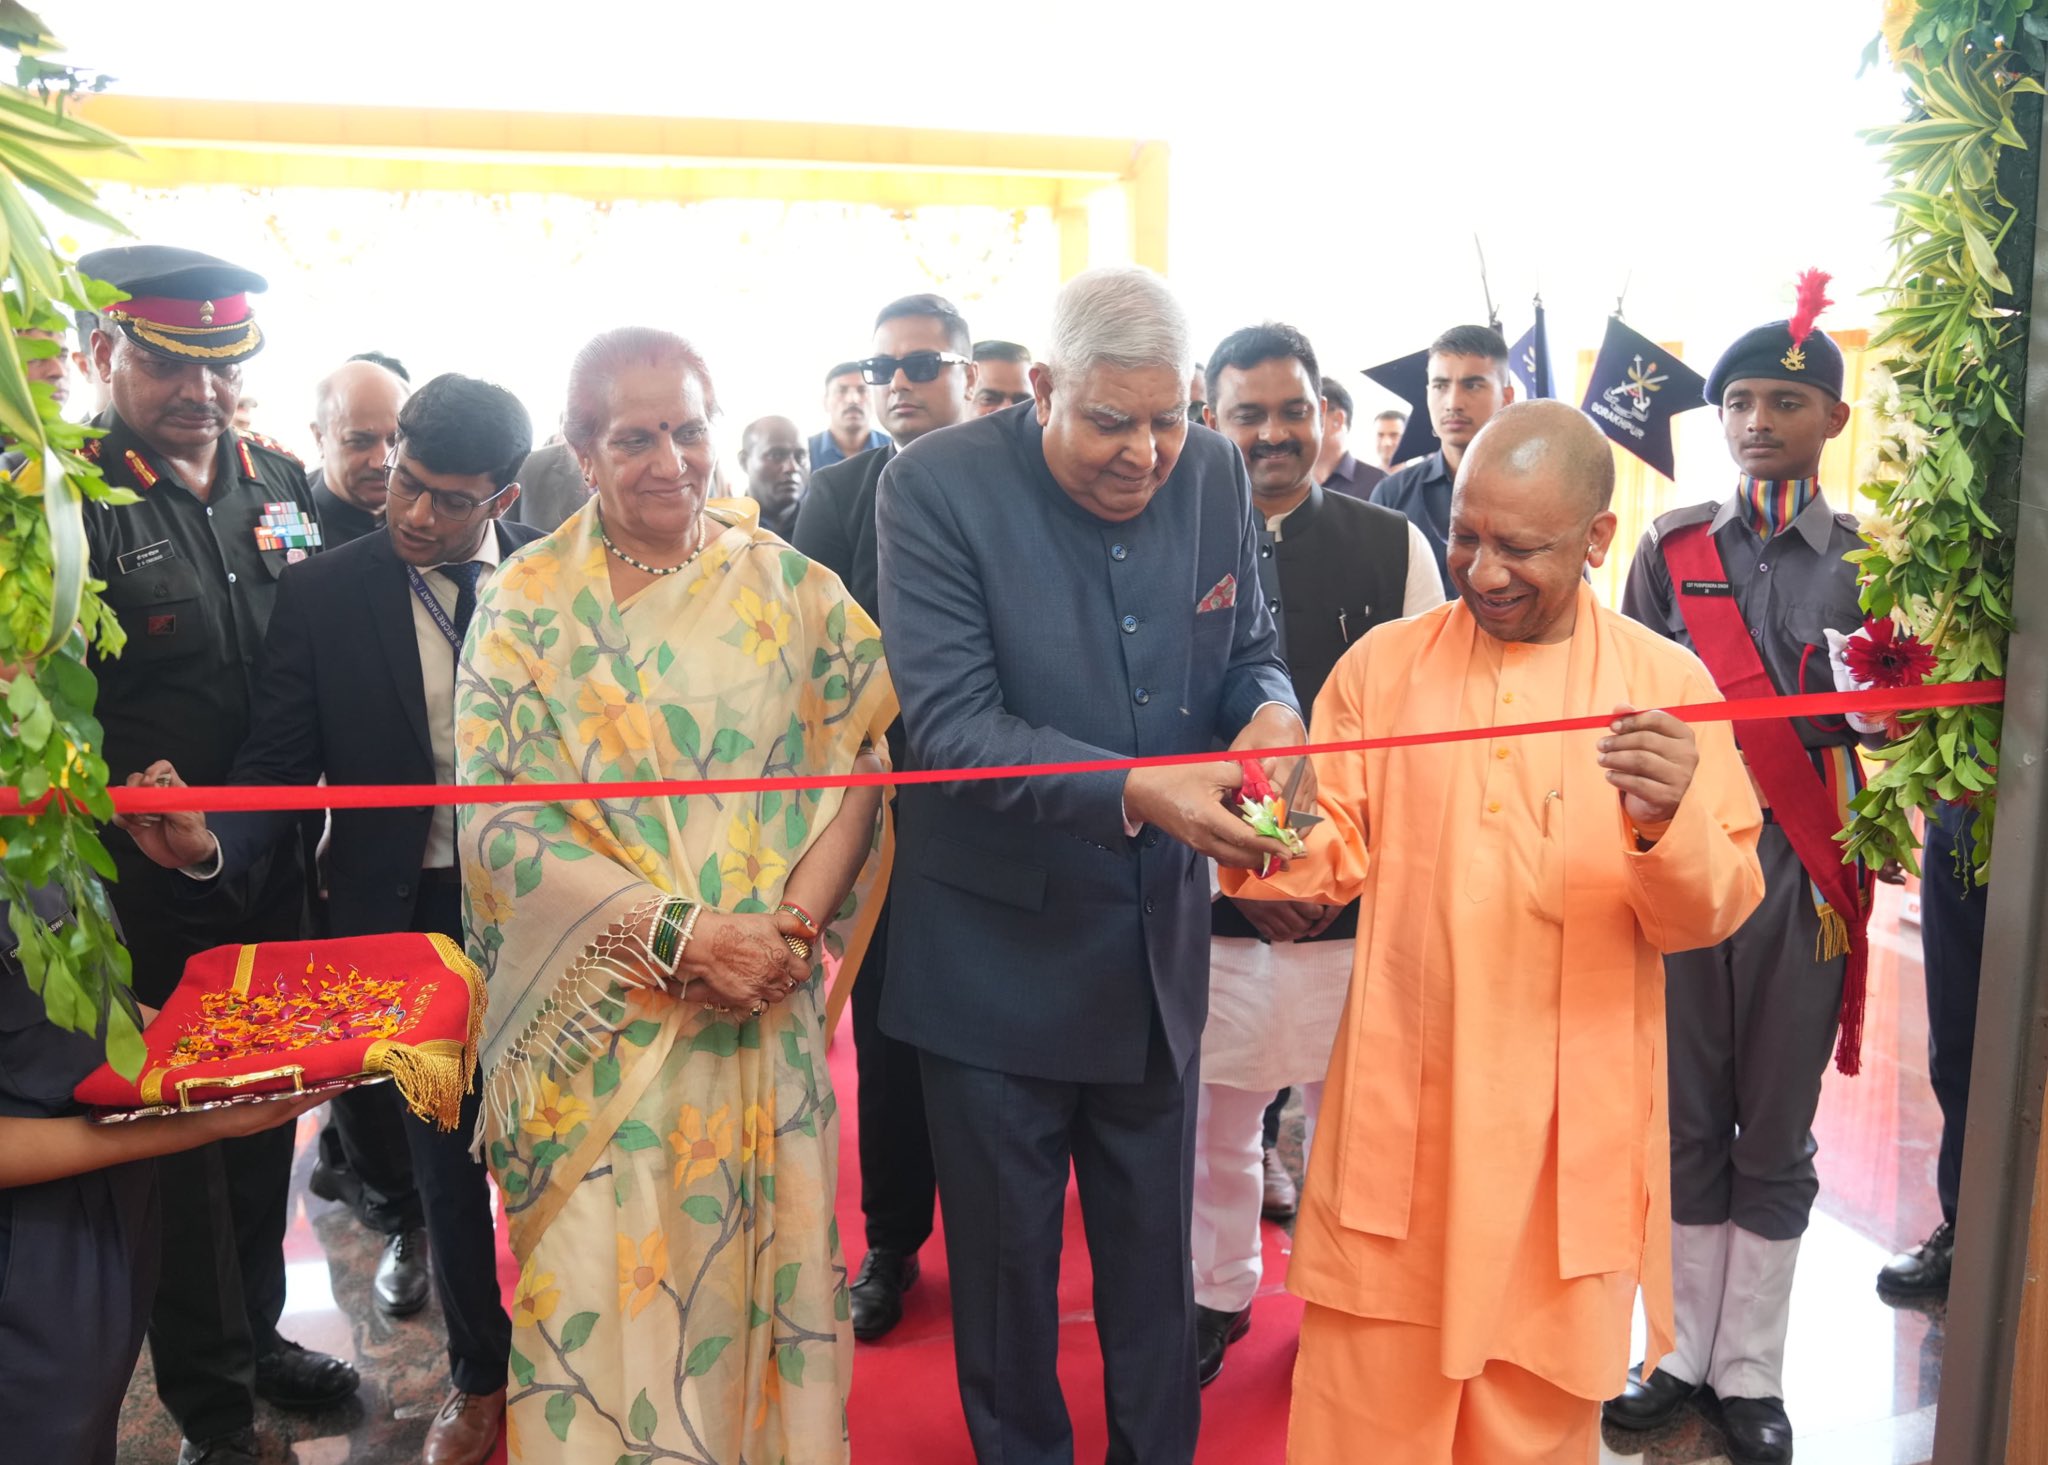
<point x="401" y="1284"/>
<point x="1215" y="1331"/>
<point x="298" y="1378"/>
<point x="1923" y="1271"/>
<point x="1758" y="1431"/>
<point x="878" y="1291"/>
<point x="235" y="1448"/>
<point x="331" y="1182"/>
<point x="1648" y="1403"/>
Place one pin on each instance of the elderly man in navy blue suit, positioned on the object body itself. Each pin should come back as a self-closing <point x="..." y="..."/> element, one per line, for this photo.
<point x="1074" y="578"/>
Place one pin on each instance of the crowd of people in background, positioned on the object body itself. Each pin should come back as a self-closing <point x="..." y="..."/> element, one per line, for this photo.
<point x="985" y="557"/>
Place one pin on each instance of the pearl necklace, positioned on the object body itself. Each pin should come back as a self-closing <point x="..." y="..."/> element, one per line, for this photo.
<point x="647" y="569"/>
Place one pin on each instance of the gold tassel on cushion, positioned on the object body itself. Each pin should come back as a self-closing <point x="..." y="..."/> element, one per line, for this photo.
<point x="433" y="1076"/>
<point x="1833" y="940"/>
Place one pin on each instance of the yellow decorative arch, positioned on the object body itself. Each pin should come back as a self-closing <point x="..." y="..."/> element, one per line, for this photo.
<point x="181" y="142"/>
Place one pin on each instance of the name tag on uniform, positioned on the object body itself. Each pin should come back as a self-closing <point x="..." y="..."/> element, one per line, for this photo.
<point x="143" y="558"/>
<point x="1705" y="587"/>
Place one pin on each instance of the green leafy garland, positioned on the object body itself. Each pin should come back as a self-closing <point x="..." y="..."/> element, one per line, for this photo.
<point x="49" y="611"/>
<point x="1953" y="339"/>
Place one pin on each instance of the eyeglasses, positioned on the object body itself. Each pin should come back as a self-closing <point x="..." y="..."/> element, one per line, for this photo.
<point x="453" y="507"/>
<point x="918" y="366"/>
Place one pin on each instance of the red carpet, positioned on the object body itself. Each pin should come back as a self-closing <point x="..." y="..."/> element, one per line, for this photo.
<point x="905" y="1406"/>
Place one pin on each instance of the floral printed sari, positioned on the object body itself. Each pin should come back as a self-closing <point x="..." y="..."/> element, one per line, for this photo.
<point x="668" y="1170"/>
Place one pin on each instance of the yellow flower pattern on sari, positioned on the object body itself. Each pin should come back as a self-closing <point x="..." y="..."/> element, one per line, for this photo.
<point x="535" y="1300"/>
<point x="751" y="865"/>
<point x="557" y="1113"/>
<point x="619" y="727"/>
<point x="699" y="1144"/>
<point x="766" y="626"/>
<point x="642" y="1270"/>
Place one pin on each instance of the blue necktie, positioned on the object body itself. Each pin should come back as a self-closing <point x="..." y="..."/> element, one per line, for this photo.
<point x="465" y="576"/>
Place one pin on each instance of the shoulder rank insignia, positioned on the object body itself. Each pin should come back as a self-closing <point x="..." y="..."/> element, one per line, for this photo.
<point x="269" y="445"/>
<point x="90" y="449"/>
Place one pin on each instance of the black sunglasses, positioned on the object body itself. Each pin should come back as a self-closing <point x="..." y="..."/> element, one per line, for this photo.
<point x="918" y="366"/>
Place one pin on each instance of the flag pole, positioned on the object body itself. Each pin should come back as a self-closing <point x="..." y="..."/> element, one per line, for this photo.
<point x="1492" y="315"/>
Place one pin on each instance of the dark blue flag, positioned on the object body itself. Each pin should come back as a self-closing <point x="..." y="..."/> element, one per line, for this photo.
<point x="1636" y="389"/>
<point x="1408" y="379"/>
<point x="1530" y="360"/>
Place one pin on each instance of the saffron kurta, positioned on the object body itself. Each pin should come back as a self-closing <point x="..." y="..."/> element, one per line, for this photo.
<point x="1493" y="1138"/>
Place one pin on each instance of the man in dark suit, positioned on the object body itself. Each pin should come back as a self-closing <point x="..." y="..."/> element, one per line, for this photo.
<point x="377" y="706"/>
<point x="1335" y="467"/>
<point x="1060" y="583"/>
<point x="914" y="390"/>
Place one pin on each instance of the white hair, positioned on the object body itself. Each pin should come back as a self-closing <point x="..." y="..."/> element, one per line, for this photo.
<point x="1120" y="316"/>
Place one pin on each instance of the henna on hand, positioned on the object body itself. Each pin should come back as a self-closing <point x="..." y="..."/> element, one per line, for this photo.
<point x="744" y="961"/>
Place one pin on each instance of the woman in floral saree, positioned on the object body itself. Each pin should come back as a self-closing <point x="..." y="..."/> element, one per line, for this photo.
<point x="657" y="1112"/>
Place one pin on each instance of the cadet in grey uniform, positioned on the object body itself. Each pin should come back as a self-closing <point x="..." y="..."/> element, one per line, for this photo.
<point x="1753" y="1020"/>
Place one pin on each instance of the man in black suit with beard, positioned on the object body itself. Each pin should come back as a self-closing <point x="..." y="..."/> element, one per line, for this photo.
<point x="357" y="684"/>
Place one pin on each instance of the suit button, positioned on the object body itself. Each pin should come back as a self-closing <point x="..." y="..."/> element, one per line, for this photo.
<point x="1265" y="551"/>
<point x="1118" y="552"/>
<point x="1130" y="625"/>
<point x="1151" y="905"/>
<point x="1141" y="696"/>
<point x="1274" y="605"/>
<point x="404" y="891"/>
<point x="1151" y="839"/>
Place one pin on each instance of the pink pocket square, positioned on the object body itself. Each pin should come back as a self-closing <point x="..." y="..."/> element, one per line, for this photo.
<point x="1223" y="597"/>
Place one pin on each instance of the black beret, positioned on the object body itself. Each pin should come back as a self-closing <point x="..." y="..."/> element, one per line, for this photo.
<point x="1785" y="350"/>
<point x="1768" y="353"/>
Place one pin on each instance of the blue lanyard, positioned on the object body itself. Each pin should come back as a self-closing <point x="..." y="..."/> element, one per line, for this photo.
<point x="434" y="608"/>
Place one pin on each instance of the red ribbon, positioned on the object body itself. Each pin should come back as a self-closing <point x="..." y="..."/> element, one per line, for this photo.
<point x="256" y="797"/>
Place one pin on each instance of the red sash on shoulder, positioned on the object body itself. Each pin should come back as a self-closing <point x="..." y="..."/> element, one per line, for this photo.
<point x="1800" y="801"/>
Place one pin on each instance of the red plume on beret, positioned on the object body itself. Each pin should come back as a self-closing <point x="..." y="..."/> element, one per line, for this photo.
<point x="1811" y="299"/>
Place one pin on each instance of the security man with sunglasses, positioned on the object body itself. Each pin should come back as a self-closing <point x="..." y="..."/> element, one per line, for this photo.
<point x="921" y="377"/>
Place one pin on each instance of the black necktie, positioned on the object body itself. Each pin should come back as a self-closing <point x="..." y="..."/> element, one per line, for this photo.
<point x="465" y="577"/>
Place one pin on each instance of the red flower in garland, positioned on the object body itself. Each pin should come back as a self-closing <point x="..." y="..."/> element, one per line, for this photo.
<point x="1885" y="656"/>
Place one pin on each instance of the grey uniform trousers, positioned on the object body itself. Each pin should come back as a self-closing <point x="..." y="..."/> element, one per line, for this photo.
<point x="1752" y="1027"/>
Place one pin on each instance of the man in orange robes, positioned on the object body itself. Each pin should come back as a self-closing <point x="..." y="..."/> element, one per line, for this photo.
<point x="1491" y="1181"/>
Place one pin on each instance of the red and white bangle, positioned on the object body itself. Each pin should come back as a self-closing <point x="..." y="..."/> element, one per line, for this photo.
<point x="809" y="922"/>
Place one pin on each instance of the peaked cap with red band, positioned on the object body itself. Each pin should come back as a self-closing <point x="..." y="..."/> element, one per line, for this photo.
<point x="181" y="304"/>
<point x="1785" y="350"/>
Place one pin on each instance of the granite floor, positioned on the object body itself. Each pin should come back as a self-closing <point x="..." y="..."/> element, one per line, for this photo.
<point x="1862" y="1376"/>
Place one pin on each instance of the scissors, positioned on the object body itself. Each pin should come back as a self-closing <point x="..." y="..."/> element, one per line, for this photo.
<point x="1298" y="819"/>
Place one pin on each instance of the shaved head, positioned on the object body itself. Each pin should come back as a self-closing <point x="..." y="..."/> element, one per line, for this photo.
<point x="1525" y="438"/>
<point x="1528" y="515"/>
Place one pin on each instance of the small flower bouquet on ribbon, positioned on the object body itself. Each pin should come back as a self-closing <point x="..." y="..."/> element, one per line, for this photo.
<point x="1261" y="806"/>
<point x="249" y="1024"/>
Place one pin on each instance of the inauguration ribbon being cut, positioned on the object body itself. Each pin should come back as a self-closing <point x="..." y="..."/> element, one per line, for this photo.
<point x="222" y="800"/>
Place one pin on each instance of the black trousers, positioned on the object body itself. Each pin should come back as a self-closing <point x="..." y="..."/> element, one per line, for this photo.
<point x="454" y="1195"/>
<point x="365" y="1137"/>
<point x="898" y="1191"/>
<point x="222" y="1290"/>
<point x="224" y="1205"/>
<point x="1004" y="1144"/>
<point x="1952" y="946"/>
